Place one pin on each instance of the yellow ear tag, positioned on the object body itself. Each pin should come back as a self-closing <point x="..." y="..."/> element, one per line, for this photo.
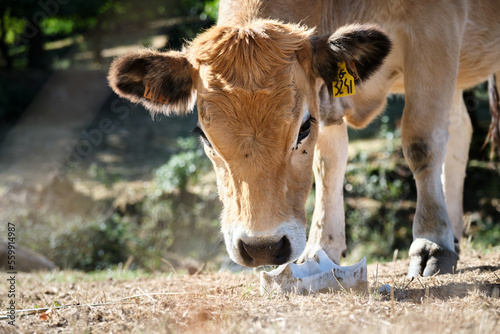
<point x="344" y="84"/>
<point x="148" y="94"/>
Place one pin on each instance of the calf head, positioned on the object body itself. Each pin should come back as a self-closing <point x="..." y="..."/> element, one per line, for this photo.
<point x="256" y="89"/>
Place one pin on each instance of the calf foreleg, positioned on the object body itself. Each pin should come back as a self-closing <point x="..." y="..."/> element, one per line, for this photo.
<point x="328" y="224"/>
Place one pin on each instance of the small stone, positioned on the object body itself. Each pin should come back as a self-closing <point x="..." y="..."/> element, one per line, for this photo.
<point x="385" y="289"/>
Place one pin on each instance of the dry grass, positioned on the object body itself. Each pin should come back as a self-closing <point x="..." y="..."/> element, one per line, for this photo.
<point x="466" y="302"/>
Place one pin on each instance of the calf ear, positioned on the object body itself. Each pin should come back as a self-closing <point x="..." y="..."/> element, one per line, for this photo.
<point x="162" y="82"/>
<point x="365" y="46"/>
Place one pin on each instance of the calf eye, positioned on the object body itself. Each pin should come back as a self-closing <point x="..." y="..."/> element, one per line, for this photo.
<point x="198" y="131"/>
<point x="305" y="129"/>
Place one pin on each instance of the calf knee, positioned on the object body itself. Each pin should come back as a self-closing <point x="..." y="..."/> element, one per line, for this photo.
<point x="418" y="154"/>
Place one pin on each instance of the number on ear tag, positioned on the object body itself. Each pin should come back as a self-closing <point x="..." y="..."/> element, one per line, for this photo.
<point x="344" y="84"/>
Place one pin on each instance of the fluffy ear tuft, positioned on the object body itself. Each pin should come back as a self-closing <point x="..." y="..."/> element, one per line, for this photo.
<point x="365" y="46"/>
<point x="162" y="82"/>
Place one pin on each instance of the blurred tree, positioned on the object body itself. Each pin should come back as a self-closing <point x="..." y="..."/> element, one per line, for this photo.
<point x="14" y="13"/>
<point x="4" y="26"/>
<point x="25" y="24"/>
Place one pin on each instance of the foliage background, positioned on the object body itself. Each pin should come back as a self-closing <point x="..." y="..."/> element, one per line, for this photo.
<point x="144" y="194"/>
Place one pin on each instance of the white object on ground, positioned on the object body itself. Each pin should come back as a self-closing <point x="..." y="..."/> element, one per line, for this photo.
<point x="317" y="274"/>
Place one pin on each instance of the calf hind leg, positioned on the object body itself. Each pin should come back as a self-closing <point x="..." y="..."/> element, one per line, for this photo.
<point x="432" y="250"/>
<point x="424" y="137"/>
<point x="429" y="90"/>
<point x="457" y="155"/>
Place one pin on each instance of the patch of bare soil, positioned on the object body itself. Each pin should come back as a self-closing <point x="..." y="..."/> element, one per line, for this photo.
<point x="467" y="302"/>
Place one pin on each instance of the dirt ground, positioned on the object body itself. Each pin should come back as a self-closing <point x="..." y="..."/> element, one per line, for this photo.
<point x="123" y="301"/>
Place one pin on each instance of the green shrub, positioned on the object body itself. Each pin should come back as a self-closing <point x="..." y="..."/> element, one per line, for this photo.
<point x="183" y="167"/>
<point x="176" y="218"/>
<point x="91" y="245"/>
<point x="380" y="196"/>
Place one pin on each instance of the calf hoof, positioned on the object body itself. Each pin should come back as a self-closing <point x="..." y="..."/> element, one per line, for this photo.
<point x="457" y="245"/>
<point x="428" y="258"/>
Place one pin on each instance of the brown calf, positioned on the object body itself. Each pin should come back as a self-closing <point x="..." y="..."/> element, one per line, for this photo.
<point x="263" y="79"/>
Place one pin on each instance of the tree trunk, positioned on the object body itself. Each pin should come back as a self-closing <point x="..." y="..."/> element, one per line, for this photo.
<point x="97" y="41"/>
<point x="35" y="51"/>
<point x="4" y="50"/>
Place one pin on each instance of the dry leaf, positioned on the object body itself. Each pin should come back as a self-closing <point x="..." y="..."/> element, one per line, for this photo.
<point x="45" y="315"/>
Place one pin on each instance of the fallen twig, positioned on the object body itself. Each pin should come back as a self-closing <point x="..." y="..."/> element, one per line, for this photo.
<point x="5" y="315"/>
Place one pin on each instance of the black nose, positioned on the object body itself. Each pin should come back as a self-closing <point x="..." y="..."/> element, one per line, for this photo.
<point x="262" y="253"/>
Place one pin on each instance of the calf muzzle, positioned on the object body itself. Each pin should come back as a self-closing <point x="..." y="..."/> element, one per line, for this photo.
<point x="265" y="253"/>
